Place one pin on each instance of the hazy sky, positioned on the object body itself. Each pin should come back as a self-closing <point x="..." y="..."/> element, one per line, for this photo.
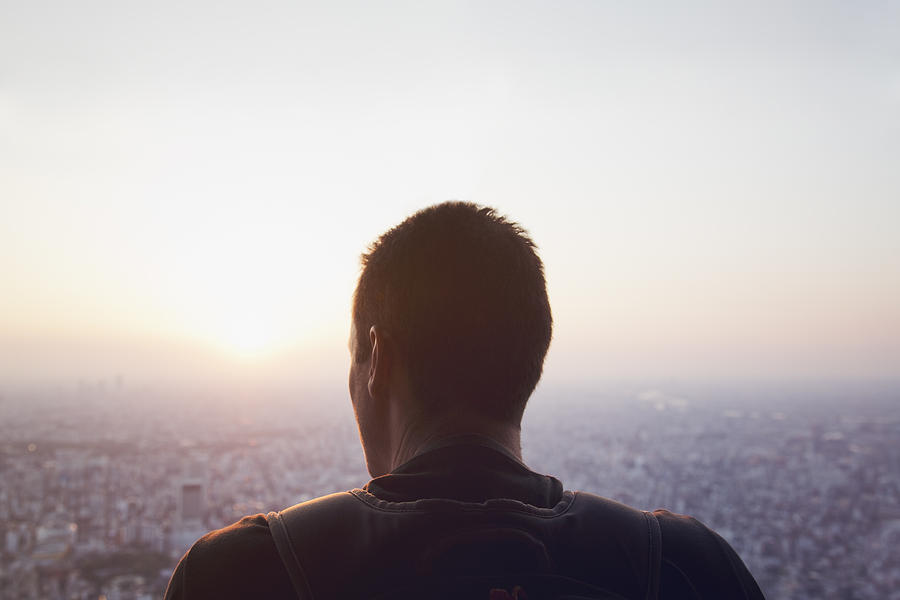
<point x="185" y="187"/>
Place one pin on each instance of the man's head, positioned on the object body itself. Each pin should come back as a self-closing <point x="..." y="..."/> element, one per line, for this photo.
<point x="457" y="293"/>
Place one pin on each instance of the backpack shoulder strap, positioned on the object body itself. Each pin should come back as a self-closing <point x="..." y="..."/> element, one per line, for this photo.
<point x="288" y="555"/>
<point x="298" y="525"/>
<point x="654" y="555"/>
<point x="301" y="525"/>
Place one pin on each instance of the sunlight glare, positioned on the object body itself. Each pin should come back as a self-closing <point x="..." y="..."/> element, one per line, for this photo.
<point x="248" y="337"/>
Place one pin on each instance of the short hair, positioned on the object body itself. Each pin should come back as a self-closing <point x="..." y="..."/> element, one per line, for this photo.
<point x="460" y="291"/>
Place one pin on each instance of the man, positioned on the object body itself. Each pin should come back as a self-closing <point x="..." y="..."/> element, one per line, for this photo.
<point x="451" y="323"/>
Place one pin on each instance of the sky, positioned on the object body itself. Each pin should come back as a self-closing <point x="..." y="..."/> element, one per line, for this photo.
<point x="186" y="187"/>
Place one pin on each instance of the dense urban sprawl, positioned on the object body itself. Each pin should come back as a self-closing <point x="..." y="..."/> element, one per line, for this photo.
<point x="103" y="488"/>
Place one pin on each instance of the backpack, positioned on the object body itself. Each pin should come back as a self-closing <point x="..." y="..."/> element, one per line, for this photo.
<point x="354" y="545"/>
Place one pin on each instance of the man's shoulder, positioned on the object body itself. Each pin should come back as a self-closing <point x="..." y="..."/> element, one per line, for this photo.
<point x="224" y="562"/>
<point x="688" y="540"/>
<point x="247" y="536"/>
<point x="697" y="559"/>
<point x="631" y="527"/>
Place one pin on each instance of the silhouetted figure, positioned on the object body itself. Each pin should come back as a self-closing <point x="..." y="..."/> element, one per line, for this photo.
<point x="451" y="323"/>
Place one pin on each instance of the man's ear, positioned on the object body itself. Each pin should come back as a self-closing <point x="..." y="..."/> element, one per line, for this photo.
<point x="380" y="365"/>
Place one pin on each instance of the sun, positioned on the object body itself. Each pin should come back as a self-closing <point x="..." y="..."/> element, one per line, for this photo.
<point x="248" y="337"/>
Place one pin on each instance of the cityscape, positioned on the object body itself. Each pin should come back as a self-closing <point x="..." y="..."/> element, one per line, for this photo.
<point x="104" y="487"/>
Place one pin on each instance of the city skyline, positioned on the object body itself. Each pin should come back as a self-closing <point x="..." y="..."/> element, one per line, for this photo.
<point x="107" y="492"/>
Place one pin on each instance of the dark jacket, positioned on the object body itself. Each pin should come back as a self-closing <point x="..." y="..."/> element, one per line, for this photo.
<point x="383" y="536"/>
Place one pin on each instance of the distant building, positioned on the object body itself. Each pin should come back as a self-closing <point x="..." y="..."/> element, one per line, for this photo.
<point x="127" y="587"/>
<point x="191" y="499"/>
<point x="191" y="503"/>
<point x="53" y="541"/>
